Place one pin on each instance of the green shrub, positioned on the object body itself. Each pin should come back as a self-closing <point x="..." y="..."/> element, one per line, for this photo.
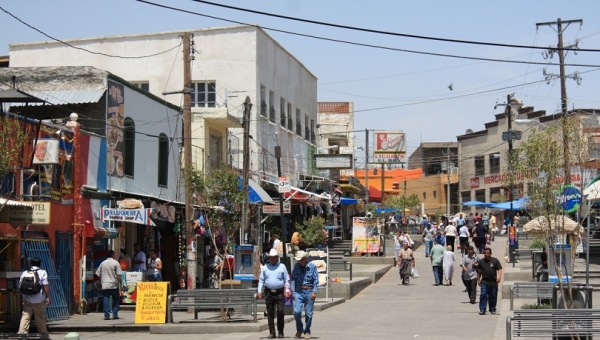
<point x="537" y="243"/>
<point x="312" y="231"/>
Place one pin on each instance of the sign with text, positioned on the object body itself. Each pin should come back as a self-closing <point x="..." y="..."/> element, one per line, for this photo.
<point x="284" y="185"/>
<point x="33" y="213"/>
<point x="388" y="158"/>
<point x="390" y="142"/>
<point x="273" y="209"/>
<point x="151" y="302"/>
<point x="139" y="216"/>
<point x="325" y="162"/>
<point x="365" y="236"/>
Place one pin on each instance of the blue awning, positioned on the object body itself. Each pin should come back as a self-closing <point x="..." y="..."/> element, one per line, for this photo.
<point x="385" y="210"/>
<point x="347" y="200"/>
<point x="477" y="204"/>
<point x="257" y="195"/>
<point x="519" y="204"/>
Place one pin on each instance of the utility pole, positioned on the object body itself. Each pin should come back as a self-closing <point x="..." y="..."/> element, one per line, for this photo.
<point x="448" y="154"/>
<point x="187" y="160"/>
<point x="382" y="183"/>
<point x="246" y="168"/>
<point x="563" y="89"/>
<point x="367" y="164"/>
<point x="284" y="259"/>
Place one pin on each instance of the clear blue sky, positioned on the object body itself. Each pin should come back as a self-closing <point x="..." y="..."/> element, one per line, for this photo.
<point x="374" y="78"/>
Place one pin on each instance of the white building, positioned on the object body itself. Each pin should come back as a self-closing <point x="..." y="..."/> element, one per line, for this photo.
<point x="229" y="64"/>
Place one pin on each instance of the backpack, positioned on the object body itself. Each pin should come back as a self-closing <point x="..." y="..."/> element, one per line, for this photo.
<point x="30" y="284"/>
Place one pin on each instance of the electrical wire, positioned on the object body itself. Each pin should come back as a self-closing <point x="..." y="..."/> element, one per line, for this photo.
<point x="360" y="44"/>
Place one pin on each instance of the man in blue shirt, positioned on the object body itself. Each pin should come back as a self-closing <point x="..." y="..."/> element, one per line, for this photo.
<point x="305" y="282"/>
<point x="274" y="279"/>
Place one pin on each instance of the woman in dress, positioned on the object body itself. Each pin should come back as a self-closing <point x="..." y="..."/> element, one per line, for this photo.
<point x="448" y="265"/>
<point x="397" y="246"/>
<point x="406" y="261"/>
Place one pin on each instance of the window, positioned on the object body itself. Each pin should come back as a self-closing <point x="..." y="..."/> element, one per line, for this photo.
<point x="435" y="194"/>
<point x="142" y="85"/>
<point x="494" y="163"/>
<point x="204" y="94"/>
<point x="465" y="196"/>
<point x="290" y="123"/>
<point x="128" y="147"/>
<point x="479" y="165"/>
<point x="396" y="186"/>
<point x="306" y="128"/>
<point x="312" y="131"/>
<point x="216" y="151"/>
<point x="163" y="160"/>
<point x="298" y="123"/>
<point x="480" y="195"/>
<point x="282" y="112"/>
<point x="263" y="101"/>
<point x="424" y="195"/>
<point x="594" y="147"/>
<point x="272" y="106"/>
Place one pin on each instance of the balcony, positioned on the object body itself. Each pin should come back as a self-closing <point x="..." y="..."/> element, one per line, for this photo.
<point x="263" y="108"/>
<point x="290" y="125"/>
<point x="283" y="120"/>
<point x="272" y="114"/>
<point x="299" y="129"/>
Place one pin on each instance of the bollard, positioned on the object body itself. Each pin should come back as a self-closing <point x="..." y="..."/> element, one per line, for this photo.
<point x="72" y="336"/>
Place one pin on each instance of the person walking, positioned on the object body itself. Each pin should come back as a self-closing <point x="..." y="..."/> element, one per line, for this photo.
<point x="448" y="265"/>
<point x="463" y="238"/>
<point x="428" y="234"/>
<point x="469" y="273"/>
<point x="109" y="272"/>
<point x="35" y="298"/>
<point x="398" y="240"/>
<point x="139" y="259"/>
<point x="481" y="232"/>
<point x="493" y="227"/>
<point x="155" y="271"/>
<point x="408" y="240"/>
<point x="450" y="234"/>
<point x="406" y="261"/>
<point x="436" y="258"/>
<point x="489" y="274"/>
<point x="305" y="283"/>
<point x="274" y="280"/>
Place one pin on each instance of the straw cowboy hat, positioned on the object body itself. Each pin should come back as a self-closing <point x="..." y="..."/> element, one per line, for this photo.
<point x="273" y="253"/>
<point x="300" y="255"/>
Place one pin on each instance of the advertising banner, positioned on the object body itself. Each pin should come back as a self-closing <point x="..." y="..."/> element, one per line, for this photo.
<point x="114" y="128"/>
<point x="139" y="216"/>
<point x="151" y="303"/>
<point x="365" y="237"/>
<point x="273" y="209"/>
<point x="390" y="142"/>
<point x="56" y="179"/>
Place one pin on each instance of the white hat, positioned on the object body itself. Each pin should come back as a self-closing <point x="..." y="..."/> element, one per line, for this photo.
<point x="300" y="255"/>
<point x="273" y="252"/>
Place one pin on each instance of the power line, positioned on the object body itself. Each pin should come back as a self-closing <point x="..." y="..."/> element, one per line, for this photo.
<point x="81" y="48"/>
<point x="360" y="44"/>
<point x="368" y="30"/>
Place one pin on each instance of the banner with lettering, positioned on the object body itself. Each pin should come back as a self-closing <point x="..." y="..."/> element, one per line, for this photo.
<point x="151" y="303"/>
<point x="139" y="216"/>
<point x="365" y="236"/>
<point x="56" y="180"/>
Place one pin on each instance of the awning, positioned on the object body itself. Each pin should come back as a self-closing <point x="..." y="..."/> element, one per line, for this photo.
<point x="300" y="194"/>
<point x="374" y="194"/>
<point x="257" y="195"/>
<point x="476" y="204"/>
<point x="519" y="204"/>
<point x="14" y="203"/>
<point x="557" y="223"/>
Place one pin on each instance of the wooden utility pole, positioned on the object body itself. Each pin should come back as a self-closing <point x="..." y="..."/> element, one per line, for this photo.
<point x="246" y="169"/>
<point x="563" y="90"/>
<point x="367" y="165"/>
<point x="187" y="161"/>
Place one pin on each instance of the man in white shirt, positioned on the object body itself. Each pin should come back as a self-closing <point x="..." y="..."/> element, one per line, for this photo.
<point x="139" y="259"/>
<point x="36" y="304"/>
<point x="109" y="272"/>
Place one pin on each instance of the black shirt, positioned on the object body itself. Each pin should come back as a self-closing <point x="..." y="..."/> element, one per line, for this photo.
<point x="489" y="270"/>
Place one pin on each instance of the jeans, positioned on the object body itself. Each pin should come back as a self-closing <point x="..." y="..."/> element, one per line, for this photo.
<point x="437" y="274"/>
<point x="273" y="301"/>
<point x="428" y="245"/>
<point x="302" y="298"/>
<point x="488" y="292"/>
<point x="107" y="294"/>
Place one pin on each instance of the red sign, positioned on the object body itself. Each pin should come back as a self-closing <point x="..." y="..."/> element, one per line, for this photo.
<point x="474" y="182"/>
<point x="390" y="142"/>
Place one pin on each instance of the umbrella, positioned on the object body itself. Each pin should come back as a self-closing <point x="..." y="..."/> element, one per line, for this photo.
<point x="539" y="225"/>
<point x="519" y="204"/>
<point x="477" y="204"/>
<point x="457" y="215"/>
<point x="592" y="192"/>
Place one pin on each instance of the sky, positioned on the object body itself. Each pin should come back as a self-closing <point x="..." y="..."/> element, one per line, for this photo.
<point x="391" y="90"/>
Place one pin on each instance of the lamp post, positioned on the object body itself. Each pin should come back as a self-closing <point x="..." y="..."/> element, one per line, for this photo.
<point x="527" y="121"/>
<point x="512" y="103"/>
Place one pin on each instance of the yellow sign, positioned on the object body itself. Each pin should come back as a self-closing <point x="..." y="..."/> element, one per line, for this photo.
<point x="26" y="213"/>
<point x="151" y="302"/>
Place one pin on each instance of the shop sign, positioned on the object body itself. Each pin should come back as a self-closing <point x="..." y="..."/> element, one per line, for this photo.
<point x="273" y="209"/>
<point x="284" y="185"/>
<point x="37" y="213"/>
<point x="139" y="216"/>
<point x="151" y="302"/>
<point x="569" y="198"/>
<point x="474" y="182"/>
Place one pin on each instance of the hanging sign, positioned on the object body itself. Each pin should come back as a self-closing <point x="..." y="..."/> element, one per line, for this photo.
<point x="284" y="185"/>
<point x="569" y="198"/>
<point x="139" y="216"/>
<point x="151" y="302"/>
<point x="273" y="209"/>
<point x="36" y="213"/>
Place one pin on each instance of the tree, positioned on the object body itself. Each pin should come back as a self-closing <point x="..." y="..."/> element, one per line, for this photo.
<point x="12" y="139"/>
<point x="541" y="159"/>
<point x="312" y="231"/>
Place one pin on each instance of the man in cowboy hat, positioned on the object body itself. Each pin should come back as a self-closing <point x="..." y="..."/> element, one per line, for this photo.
<point x="305" y="282"/>
<point x="274" y="279"/>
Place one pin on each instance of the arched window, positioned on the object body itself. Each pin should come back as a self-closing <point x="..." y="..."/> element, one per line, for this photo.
<point x="128" y="147"/>
<point x="163" y="160"/>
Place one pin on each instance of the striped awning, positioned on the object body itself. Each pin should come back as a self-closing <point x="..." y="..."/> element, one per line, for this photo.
<point x="12" y="203"/>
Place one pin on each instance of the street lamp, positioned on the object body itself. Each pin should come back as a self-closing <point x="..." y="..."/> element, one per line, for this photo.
<point x="528" y="121"/>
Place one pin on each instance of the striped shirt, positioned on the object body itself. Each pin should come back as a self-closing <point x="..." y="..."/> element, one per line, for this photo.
<point x="305" y="276"/>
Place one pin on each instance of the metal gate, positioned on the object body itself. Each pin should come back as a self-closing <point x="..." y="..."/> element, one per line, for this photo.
<point x="64" y="265"/>
<point x="57" y="310"/>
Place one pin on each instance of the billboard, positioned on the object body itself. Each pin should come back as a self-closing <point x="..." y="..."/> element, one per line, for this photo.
<point x="114" y="128"/>
<point x="327" y="162"/>
<point x="390" y="147"/>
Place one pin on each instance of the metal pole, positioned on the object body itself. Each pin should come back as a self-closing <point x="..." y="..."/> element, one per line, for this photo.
<point x="587" y="247"/>
<point x="281" y="215"/>
<point x="367" y="164"/>
<point x="511" y="247"/>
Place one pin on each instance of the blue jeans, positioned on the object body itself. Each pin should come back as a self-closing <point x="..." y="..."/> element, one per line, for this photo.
<point x="107" y="294"/>
<point x="428" y="245"/>
<point x="488" y="292"/>
<point x="437" y="274"/>
<point x="302" y="298"/>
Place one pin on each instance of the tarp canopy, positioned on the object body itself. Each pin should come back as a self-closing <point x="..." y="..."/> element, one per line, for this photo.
<point x="375" y="194"/>
<point x="347" y="200"/>
<point x="476" y="204"/>
<point x="592" y="192"/>
<point x="520" y="204"/>
<point x="556" y="224"/>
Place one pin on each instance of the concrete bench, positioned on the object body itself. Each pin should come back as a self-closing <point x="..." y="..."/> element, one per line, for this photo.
<point x="554" y="323"/>
<point x="535" y="290"/>
<point x="211" y="299"/>
<point x="343" y="265"/>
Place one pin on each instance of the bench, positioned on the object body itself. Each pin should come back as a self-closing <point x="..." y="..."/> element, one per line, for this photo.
<point x="555" y="323"/>
<point x="536" y="290"/>
<point x="211" y="299"/>
<point x="21" y="336"/>
<point x="343" y="265"/>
